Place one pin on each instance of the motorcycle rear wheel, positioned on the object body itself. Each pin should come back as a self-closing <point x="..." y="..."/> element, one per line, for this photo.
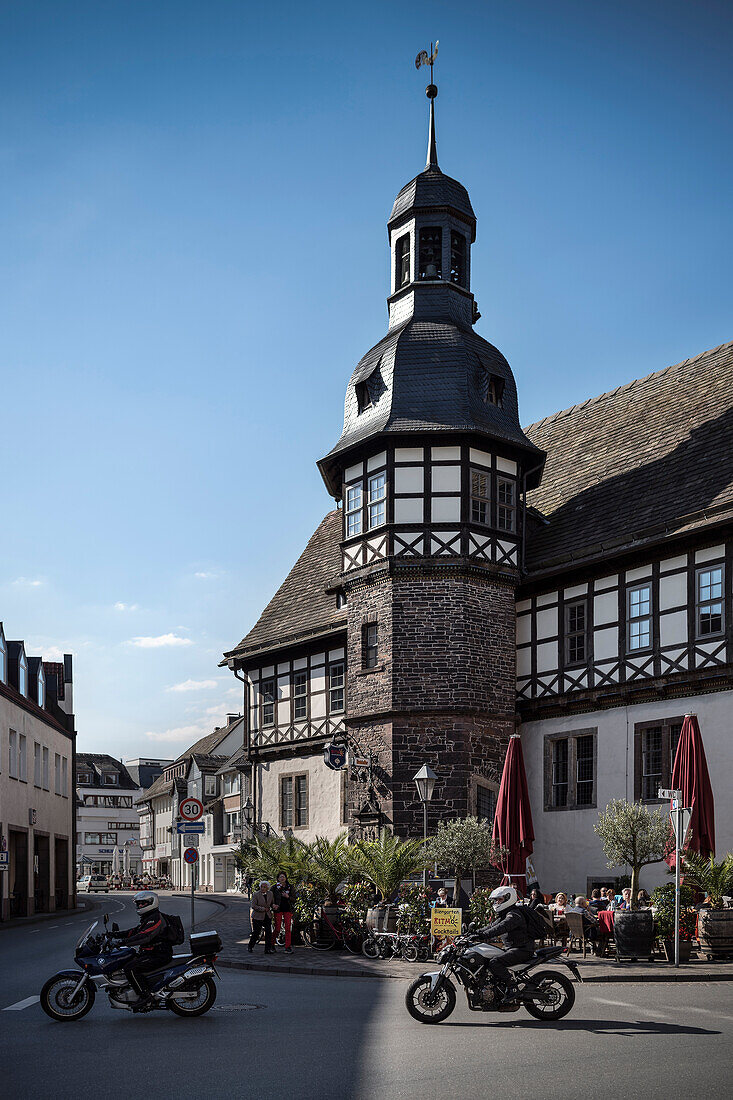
<point x="562" y="991"/>
<point x="198" y="1007"/>
<point x="56" y="999"/>
<point x="418" y="1001"/>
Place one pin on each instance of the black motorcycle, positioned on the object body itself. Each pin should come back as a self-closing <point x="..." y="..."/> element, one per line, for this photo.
<point x="546" y="994"/>
<point x="185" y="985"/>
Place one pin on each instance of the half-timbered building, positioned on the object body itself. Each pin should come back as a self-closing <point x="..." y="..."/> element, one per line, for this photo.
<point x="570" y="579"/>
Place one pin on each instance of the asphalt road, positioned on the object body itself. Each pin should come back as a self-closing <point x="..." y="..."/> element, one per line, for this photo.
<point x="310" y="1038"/>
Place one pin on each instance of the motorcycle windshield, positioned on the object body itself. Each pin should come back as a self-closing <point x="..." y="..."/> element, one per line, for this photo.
<point x="87" y="934"/>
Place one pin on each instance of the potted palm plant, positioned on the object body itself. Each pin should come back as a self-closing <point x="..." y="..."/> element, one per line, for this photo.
<point x="328" y="866"/>
<point x="385" y="863"/>
<point x="714" y="878"/>
<point x="635" y="836"/>
<point x="663" y="904"/>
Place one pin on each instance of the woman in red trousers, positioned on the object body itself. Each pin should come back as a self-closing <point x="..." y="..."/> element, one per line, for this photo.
<point x="284" y="898"/>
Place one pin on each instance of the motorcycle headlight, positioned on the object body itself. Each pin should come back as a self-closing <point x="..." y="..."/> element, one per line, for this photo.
<point x="444" y="954"/>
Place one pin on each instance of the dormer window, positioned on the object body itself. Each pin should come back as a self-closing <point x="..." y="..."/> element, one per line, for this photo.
<point x="111" y="779"/>
<point x="23" y="674"/>
<point x="363" y="396"/>
<point x="430" y="262"/>
<point x="457" y="258"/>
<point x="402" y="255"/>
<point x="492" y="388"/>
<point x="84" y="779"/>
<point x="41" y="687"/>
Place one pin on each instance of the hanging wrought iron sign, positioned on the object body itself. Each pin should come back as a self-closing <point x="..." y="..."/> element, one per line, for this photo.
<point x="334" y="755"/>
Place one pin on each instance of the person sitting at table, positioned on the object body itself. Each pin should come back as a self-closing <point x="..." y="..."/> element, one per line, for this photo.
<point x="591" y="925"/>
<point x="643" y="900"/>
<point x="557" y="909"/>
<point x="625" y="902"/>
<point x="611" y="899"/>
<point x="559" y="905"/>
<point x="596" y="902"/>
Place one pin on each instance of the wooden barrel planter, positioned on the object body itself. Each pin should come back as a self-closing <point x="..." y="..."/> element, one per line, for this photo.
<point x="633" y="932"/>
<point x="382" y="918"/>
<point x="715" y="932"/>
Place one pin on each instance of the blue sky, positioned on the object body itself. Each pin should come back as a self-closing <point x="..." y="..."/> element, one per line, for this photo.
<point x="193" y="199"/>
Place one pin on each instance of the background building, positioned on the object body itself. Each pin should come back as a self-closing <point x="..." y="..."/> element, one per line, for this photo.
<point x="37" y="739"/>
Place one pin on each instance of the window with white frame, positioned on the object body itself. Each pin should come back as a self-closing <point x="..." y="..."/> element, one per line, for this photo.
<point x="576" y="632"/>
<point x="231" y="822"/>
<point x="13" y="755"/>
<point x="480" y="498"/>
<point x="709" y="601"/>
<point x="300" y="696"/>
<point x="36" y="764"/>
<point x="639" y="618"/>
<point x="45" y="769"/>
<point x="506" y="504"/>
<point x="41" y="687"/>
<point x="267" y="693"/>
<point x="23" y="675"/>
<point x="57" y="773"/>
<point x="353" y="508"/>
<point x="377" y="500"/>
<point x="209" y="786"/>
<point x="111" y="779"/>
<point x="65" y="776"/>
<point x="22" y="758"/>
<point x="336" y="687"/>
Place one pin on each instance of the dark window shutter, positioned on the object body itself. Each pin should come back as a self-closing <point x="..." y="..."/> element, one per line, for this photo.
<point x="637" y="764"/>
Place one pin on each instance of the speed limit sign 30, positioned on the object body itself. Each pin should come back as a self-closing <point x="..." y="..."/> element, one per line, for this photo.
<point x="190" y="809"/>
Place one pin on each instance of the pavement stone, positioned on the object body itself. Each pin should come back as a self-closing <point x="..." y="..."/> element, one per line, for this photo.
<point x="232" y="924"/>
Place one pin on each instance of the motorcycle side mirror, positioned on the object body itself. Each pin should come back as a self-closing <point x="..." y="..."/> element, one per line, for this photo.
<point x="473" y="926"/>
<point x="115" y="926"/>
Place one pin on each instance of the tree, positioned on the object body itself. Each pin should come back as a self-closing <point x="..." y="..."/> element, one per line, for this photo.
<point x="462" y="847"/>
<point x="387" y="861"/>
<point x="714" y="879"/>
<point x="634" y="835"/>
<point x="328" y="863"/>
<point x="266" y="857"/>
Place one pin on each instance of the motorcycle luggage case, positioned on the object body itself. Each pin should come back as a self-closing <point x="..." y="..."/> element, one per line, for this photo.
<point x="205" y="943"/>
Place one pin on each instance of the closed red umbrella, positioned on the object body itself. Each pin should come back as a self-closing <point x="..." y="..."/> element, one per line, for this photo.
<point x="690" y="775"/>
<point x="513" y="820"/>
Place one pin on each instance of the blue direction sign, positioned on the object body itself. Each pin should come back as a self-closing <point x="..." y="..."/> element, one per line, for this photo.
<point x="190" y="827"/>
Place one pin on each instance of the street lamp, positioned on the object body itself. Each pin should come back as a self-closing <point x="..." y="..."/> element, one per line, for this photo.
<point x="248" y="808"/>
<point x="425" y="780"/>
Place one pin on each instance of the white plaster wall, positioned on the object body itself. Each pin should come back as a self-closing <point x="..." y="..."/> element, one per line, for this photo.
<point x="324" y="795"/>
<point x="566" y="849"/>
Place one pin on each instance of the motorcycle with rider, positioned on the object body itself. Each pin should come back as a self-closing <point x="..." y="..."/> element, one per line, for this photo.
<point x="497" y="978"/>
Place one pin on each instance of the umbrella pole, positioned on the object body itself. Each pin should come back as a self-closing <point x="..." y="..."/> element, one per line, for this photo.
<point x="678" y="826"/>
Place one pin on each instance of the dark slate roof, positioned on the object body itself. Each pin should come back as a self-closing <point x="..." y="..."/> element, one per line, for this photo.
<point x="204" y="747"/>
<point x="97" y="763"/>
<point x="430" y="190"/>
<point x="238" y="757"/>
<point x="648" y="460"/>
<point x="301" y="607"/>
<point x="146" y="774"/>
<point x="429" y="380"/>
<point x="208" y="762"/>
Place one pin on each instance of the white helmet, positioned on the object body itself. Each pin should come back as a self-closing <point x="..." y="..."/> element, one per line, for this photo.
<point x="503" y="897"/>
<point x="145" y="902"/>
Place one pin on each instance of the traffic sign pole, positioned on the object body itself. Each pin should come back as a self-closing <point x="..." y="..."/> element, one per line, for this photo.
<point x="678" y="826"/>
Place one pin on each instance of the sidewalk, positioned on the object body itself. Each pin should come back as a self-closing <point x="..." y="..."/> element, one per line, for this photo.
<point x="232" y="924"/>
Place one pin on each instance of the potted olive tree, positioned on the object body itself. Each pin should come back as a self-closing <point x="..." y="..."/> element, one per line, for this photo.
<point x="715" y="880"/>
<point x="663" y="903"/>
<point x="385" y="863"/>
<point x="463" y="847"/>
<point x="635" y="836"/>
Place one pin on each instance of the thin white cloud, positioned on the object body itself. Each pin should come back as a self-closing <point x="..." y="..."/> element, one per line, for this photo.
<point x="180" y="733"/>
<point x="160" y="641"/>
<point x="28" y="582"/>
<point x="193" y="685"/>
<point x="52" y="653"/>
<point x="119" y="606"/>
<point x="206" y="576"/>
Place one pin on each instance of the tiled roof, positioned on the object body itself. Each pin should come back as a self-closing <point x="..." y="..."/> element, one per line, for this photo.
<point x="302" y="607"/>
<point x="650" y="458"/>
<point x="429" y="190"/>
<point x="98" y="763"/>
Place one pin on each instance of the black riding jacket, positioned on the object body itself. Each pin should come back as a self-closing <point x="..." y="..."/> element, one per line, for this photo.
<point x="512" y="928"/>
<point x="150" y="934"/>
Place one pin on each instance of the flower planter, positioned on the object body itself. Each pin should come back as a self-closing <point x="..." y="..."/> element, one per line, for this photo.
<point x="715" y="932"/>
<point x="382" y="918"/>
<point x="685" y="950"/>
<point x="633" y="932"/>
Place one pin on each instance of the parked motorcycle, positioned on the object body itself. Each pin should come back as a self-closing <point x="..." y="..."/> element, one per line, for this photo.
<point x="185" y="985"/>
<point x="546" y="994"/>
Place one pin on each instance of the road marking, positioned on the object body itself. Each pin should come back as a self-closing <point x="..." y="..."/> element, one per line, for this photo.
<point x="20" y="1005"/>
<point x="52" y="926"/>
<point x="34" y="931"/>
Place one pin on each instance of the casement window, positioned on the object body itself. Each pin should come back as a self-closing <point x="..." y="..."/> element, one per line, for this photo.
<point x="13" y="755"/>
<point x="111" y="779"/>
<point x="83" y="779"/>
<point x="506" y="504"/>
<point x="576" y="632"/>
<point x="457" y="258"/>
<point x="430" y="253"/>
<point x="377" y="500"/>
<point x="210" y="786"/>
<point x="480" y="498"/>
<point x="369" y="645"/>
<point x="300" y="695"/>
<point x="639" y="618"/>
<point x="22" y="758"/>
<point x="353" y="508"/>
<point x="293" y="801"/>
<point x="485" y="802"/>
<point x="655" y="746"/>
<point x="710" y="617"/>
<point x="570" y="770"/>
<point x="23" y="675"/>
<point x="363" y="396"/>
<point x="104" y="838"/>
<point x="41" y="685"/>
<point x="336" y="687"/>
<point x="57" y="773"/>
<point x="65" y="776"/>
<point x="36" y="764"/>
<point x="402" y="257"/>
<point x="491" y="387"/>
<point x="231" y="822"/>
<point x="267" y="705"/>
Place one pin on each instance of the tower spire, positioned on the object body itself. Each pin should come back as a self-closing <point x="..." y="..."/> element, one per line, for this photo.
<point x="425" y="58"/>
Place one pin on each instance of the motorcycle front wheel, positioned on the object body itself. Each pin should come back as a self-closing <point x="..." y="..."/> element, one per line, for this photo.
<point x="58" y="1000"/>
<point x="427" y="1007"/>
<point x="183" y="1004"/>
<point x="558" y="996"/>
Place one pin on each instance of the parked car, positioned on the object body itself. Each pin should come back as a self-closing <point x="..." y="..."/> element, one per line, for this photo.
<point x="93" y="884"/>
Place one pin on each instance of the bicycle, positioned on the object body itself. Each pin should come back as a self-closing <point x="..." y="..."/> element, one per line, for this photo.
<point x="322" y="933"/>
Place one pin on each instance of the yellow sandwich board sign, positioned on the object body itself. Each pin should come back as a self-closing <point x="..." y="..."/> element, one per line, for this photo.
<point x="445" y="922"/>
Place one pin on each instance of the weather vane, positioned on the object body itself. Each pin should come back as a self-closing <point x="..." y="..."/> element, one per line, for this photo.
<point x="425" y="58"/>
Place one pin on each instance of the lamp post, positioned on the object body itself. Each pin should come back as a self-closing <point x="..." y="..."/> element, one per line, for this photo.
<point x="248" y="808"/>
<point x="425" y="780"/>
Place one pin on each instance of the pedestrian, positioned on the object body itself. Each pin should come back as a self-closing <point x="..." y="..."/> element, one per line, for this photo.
<point x="261" y="908"/>
<point x="284" y="896"/>
<point x="441" y="901"/>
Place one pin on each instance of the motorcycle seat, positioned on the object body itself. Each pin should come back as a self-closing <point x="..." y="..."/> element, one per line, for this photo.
<point x="548" y="952"/>
<point x="177" y="960"/>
